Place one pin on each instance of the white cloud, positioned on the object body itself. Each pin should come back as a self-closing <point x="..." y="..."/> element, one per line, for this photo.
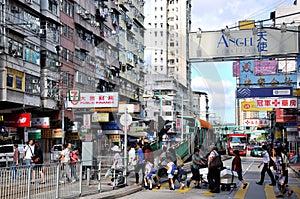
<point x="215" y="15"/>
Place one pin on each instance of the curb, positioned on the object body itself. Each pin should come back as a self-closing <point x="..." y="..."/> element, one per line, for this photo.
<point x="115" y="193"/>
<point x="295" y="170"/>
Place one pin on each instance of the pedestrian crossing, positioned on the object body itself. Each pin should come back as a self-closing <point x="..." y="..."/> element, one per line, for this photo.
<point x="240" y="193"/>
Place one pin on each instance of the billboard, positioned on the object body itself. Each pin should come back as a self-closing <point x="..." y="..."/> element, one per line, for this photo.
<point x="95" y="100"/>
<point x="264" y="92"/>
<point x="251" y="106"/>
<point x="242" y="43"/>
<point x="277" y="103"/>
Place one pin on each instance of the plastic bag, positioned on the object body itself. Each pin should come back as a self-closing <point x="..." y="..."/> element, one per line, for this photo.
<point x="108" y="173"/>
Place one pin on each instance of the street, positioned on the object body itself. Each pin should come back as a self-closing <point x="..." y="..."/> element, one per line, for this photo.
<point x="251" y="175"/>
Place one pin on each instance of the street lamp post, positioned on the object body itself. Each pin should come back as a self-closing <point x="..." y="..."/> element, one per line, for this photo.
<point x="181" y="123"/>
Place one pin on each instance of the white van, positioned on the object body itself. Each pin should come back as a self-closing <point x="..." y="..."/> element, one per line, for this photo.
<point x="55" y="152"/>
<point x="6" y="155"/>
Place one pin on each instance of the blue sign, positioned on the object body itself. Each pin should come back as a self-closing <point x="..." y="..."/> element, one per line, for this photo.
<point x="264" y="92"/>
<point x="112" y="125"/>
<point x="290" y="124"/>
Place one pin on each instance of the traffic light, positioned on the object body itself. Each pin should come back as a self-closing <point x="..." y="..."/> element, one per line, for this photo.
<point x="68" y="123"/>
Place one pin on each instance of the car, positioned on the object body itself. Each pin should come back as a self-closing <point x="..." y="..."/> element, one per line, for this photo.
<point x="55" y="152"/>
<point x="6" y="155"/>
<point x="250" y="147"/>
<point x="257" y="152"/>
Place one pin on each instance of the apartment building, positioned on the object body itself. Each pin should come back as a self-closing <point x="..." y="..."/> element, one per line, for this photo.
<point x="49" y="47"/>
<point x="166" y="56"/>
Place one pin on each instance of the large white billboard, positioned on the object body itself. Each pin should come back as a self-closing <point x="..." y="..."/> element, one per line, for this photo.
<point x="242" y="43"/>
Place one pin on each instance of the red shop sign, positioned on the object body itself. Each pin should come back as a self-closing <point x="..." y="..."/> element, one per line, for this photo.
<point x="18" y="120"/>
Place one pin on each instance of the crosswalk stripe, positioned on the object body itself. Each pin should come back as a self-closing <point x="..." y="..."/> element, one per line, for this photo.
<point x="296" y="190"/>
<point x="269" y="190"/>
<point x="240" y="194"/>
<point x="208" y="193"/>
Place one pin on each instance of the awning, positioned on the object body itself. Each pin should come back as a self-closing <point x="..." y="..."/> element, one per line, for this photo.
<point x="137" y="134"/>
<point x="205" y="124"/>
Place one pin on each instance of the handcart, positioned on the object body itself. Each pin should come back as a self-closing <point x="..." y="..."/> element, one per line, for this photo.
<point x="228" y="178"/>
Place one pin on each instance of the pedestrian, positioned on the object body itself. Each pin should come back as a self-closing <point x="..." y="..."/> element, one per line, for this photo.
<point x="65" y="163"/>
<point x="162" y="165"/>
<point x="117" y="165"/>
<point x="236" y="166"/>
<point x="148" y="152"/>
<point x="149" y="175"/>
<point x="195" y="166"/>
<point x="28" y="154"/>
<point x="74" y="159"/>
<point x="180" y="176"/>
<point x="140" y="164"/>
<point x="213" y="172"/>
<point x="38" y="166"/>
<point x="15" y="161"/>
<point x="282" y="187"/>
<point x="285" y="162"/>
<point x="266" y="167"/>
<point x="131" y="159"/>
<point x="171" y="171"/>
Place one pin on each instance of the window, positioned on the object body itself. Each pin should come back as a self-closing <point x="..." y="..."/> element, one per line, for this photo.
<point x="161" y="33"/>
<point x="161" y="25"/>
<point x="15" y="48"/>
<point x="15" y="79"/>
<point x="155" y="34"/>
<point x="10" y="80"/>
<point x="19" y="82"/>
<point x="53" y="7"/>
<point x="32" y="53"/>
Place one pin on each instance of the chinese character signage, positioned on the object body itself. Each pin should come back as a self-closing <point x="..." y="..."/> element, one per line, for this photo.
<point x="251" y="106"/>
<point x="95" y="100"/>
<point x="239" y="43"/>
<point x="265" y="67"/>
<point x="86" y="121"/>
<point x="256" y="122"/>
<point x="277" y="103"/>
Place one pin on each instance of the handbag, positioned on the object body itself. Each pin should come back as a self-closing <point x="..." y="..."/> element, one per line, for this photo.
<point x="216" y="162"/>
<point x="35" y="159"/>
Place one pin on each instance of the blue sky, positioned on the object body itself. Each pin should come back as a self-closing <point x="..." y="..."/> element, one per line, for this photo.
<point x="216" y="78"/>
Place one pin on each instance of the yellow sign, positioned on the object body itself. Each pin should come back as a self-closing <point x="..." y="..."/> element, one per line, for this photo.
<point x="244" y="25"/>
<point x="114" y="138"/>
<point x="56" y="133"/>
<point x="251" y="106"/>
<point x="100" y="117"/>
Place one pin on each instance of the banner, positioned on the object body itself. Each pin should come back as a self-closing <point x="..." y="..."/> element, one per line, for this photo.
<point x="251" y="106"/>
<point x="265" y="67"/>
<point x="18" y="120"/>
<point x="277" y="103"/>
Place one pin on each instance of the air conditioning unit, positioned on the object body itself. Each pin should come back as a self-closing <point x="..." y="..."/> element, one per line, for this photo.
<point x="15" y="9"/>
<point x="17" y="54"/>
<point x="110" y="10"/>
<point x="97" y="24"/>
<point x="35" y="81"/>
<point x="42" y="32"/>
<point x="58" y="64"/>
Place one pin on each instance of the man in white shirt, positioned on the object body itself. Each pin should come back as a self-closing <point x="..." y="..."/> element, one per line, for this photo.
<point x="266" y="168"/>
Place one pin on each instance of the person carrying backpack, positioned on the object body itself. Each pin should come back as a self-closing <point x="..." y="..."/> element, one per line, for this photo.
<point x="171" y="171"/>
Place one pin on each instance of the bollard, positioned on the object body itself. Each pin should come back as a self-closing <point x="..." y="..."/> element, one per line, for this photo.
<point x="88" y="171"/>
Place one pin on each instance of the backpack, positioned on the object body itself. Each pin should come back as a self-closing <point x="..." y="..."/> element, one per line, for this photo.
<point x="174" y="170"/>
